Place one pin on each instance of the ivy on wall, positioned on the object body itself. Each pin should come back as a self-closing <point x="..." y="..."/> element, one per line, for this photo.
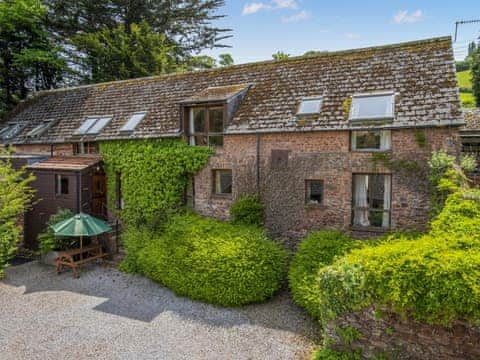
<point x="153" y="175"/>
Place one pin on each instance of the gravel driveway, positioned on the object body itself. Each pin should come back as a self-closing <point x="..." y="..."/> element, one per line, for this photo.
<point x="110" y="315"/>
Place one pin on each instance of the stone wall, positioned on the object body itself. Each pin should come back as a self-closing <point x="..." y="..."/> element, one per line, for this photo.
<point x="320" y="156"/>
<point x="398" y="338"/>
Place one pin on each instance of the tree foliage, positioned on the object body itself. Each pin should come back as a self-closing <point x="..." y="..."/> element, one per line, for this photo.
<point x="226" y="60"/>
<point x="117" y="54"/>
<point x="476" y="76"/>
<point x="29" y="59"/>
<point x="280" y="55"/>
<point x="15" y="198"/>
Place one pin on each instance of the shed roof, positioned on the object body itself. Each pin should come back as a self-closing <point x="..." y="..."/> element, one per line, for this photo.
<point x="421" y="74"/>
<point x="71" y="163"/>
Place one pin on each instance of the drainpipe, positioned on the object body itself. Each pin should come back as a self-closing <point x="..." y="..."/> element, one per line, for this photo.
<point x="258" y="162"/>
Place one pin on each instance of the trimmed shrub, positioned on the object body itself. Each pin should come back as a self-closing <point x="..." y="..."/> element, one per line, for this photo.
<point x="317" y="250"/>
<point x="214" y="261"/>
<point x="47" y="241"/>
<point x="134" y="240"/>
<point x="248" y="210"/>
<point x="432" y="279"/>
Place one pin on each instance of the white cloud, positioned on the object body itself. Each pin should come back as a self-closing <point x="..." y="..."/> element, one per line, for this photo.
<point x="302" y="15"/>
<point x="252" y="8"/>
<point x="352" y="36"/>
<point x="405" y="17"/>
<point x="285" y="4"/>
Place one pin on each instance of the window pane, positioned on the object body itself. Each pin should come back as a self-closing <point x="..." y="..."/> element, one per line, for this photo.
<point x="310" y="106"/>
<point x="198" y="119"/>
<point x="216" y="140"/>
<point x="87" y="124"/>
<point x="368" y="107"/>
<point x="314" y="192"/>
<point x="371" y="200"/>
<point x="223" y="181"/>
<point x="133" y="122"/>
<point x="367" y="140"/>
<point x="215" y="119"/>
<point x="99" y="125"/>
<point x="64" y="186"/>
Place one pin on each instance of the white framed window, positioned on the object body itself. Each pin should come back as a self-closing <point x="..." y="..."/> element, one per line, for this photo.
<point x="371" y="200"/>
<point x="371" y="140"/>
<point x="133" y="122"/>
<point x="372" y="106"/>
<point x="93" y="125"/>
<point x="310" y="106"/>
<point x="222" y="182"/>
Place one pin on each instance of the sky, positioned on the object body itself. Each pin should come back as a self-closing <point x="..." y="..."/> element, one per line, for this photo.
<point x="263" y="27"/>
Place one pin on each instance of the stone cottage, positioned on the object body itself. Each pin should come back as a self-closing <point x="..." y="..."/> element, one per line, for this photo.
<point x="339" y="139"/>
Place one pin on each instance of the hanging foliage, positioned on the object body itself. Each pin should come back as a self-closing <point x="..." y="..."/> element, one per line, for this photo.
<point x="153" y="175"/>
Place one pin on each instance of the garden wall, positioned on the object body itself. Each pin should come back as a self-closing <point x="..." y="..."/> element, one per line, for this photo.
<point x="406" y="339"/>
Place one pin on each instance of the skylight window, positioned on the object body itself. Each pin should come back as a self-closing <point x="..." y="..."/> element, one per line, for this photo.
<point x="309" y="106"/>
<point x="92" y="126"/>
<point x="372" y="106"/>
<point x="39" y="130"/>
<point x="133" y="122"/>
<point x="11" y="130"/>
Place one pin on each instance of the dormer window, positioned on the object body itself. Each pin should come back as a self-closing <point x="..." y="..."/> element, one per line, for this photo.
<point x="309" y="106"/>
<point x="93" y="125"/>
<point x="375" y="106"/>
<point x="206" y="126"/>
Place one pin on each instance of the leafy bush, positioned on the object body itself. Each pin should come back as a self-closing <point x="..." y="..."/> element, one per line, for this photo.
<point x="316" y="251"/>
<point x="214" y="261"/>
<point x="327" y="353"/>
<point x="48" y="241"/>
<point x="433" y="278"/>
<point x="165" y="166"/>
<point x="15" y="198"/>
<point x="134" y="240"/>
<point x="248" y="210"/>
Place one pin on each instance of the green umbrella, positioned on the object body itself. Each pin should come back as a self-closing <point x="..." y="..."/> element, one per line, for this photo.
<point x="81" y="225"/>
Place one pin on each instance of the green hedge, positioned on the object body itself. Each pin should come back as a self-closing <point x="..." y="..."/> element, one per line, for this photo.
<point x="433" y="278"/>
<point x="214" y="261"/>
<point x="248" y="210"/>
<point x="317" y="250"/>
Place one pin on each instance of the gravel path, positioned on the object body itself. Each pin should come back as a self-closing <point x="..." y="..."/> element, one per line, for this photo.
<point x="110" y="315"/>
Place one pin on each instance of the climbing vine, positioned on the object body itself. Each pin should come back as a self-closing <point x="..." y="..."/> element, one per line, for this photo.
<point x="407" y="165"/>
<point x="153" y="175"/>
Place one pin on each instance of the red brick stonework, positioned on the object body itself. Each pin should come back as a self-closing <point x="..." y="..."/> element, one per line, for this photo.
<point x="320" y="156"/>
<point x="399" y="338"/>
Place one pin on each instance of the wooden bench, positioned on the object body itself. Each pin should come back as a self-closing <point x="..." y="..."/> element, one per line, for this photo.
<point x="76" y="257"/>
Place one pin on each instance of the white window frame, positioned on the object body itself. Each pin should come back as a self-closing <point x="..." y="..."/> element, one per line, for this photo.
<point x="307" y="99"/>
<point x="388" y="116"/>
<point x="387" y="141"/>
<point x="134" y="120"/>
<point x="91" y="123"/>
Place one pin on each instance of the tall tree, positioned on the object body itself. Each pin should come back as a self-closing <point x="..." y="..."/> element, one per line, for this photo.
<point x="117" y="54"/>
<point x="28" y="58"/>
<point x="476" y="76"/>
<point x="225" y="60"/>
<point x="15" y="198"/>
<point x="187" y="24"/>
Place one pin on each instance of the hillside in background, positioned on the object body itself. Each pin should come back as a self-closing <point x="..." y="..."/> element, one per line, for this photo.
<point x="465" y="85"/>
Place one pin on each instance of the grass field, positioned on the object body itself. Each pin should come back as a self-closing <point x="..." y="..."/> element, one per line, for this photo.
<point x="464" y="79"/>
<point x="465" y="82"/>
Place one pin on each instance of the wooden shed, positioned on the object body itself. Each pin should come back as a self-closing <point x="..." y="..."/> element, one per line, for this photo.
<point x="76" y="183"/>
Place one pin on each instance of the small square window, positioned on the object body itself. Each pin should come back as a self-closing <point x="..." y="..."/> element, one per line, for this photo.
<point x="314" y="192"/>
<point x="222" y="182"/>
<point x="368" y="107"/>
<point x="310" y="106"/>
<point x="371" y="140"/>
<point x="61" y="185"/>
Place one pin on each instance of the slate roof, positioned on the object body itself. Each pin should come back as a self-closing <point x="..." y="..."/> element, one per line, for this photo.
<point x="421" y="74"/>
<point x="472" y="120"/>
